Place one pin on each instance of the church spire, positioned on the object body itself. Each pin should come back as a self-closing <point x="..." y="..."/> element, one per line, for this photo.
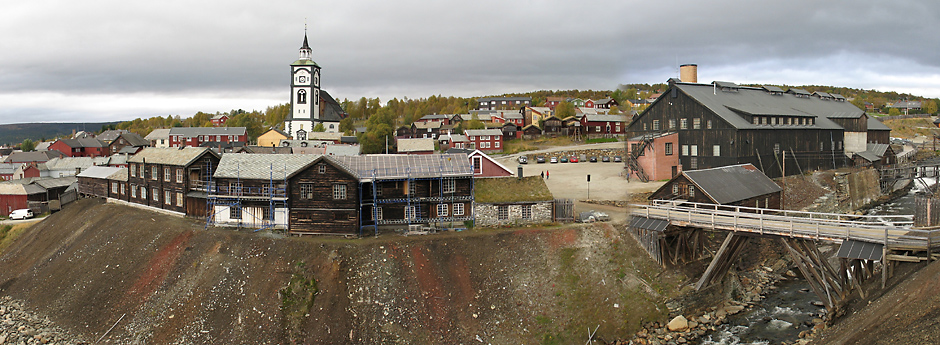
<point x="305" y="51"/>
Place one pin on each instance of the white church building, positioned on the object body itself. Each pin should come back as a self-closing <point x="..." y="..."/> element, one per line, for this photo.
<point x="309" y="104"/>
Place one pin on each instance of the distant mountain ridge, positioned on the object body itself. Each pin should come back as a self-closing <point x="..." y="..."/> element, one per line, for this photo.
<point x="15" y="133"/>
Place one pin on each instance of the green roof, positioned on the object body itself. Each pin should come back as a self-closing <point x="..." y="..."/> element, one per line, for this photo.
<point x="304" y="62"/>
<point x="511" y="189"/>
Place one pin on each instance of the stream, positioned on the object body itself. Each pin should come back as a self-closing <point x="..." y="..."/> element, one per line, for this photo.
<point x="789" y="309"/>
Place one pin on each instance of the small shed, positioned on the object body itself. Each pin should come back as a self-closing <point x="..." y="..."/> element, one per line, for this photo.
<point x="512" y="201"/>
<point x="736" y="185"/>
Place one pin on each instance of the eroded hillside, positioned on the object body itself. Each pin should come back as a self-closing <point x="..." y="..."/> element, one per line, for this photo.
<point x="176" y="282"/>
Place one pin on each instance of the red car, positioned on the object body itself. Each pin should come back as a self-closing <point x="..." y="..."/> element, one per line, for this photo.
<point x="574" y="159"/>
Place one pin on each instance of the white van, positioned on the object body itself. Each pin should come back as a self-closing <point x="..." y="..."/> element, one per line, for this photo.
<point x="21" y="214"/>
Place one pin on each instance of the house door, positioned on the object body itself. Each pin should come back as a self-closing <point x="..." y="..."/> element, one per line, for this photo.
<point x="675" y="171"/>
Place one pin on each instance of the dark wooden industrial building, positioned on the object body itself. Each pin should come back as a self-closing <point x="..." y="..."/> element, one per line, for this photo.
<point x="736" y="185"/>
<point x="173" y="179"/>
<point x="722" y="124"/>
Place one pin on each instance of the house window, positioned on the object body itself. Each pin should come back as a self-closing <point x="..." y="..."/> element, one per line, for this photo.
<point x="378" y="189"/>
<point x="114" y="187"/>
<point x="477" y="165"/>
<point x="143" y="193"/>
<point x="716" y="150"/>
<point x="526" y="211"/>
<point x="502" y="212"/>
<point x="598" y="128"/>
<point x="410" y="212"/>
<point x="166" y="174"/>
<point x="655" y="126"/>
<point x="321" y="168"/>
<point x="693" y="163"/>
<point x="179" y="175"/>
<point x="133" y="191"/>
<point x="458" y="209"/>
<point x="821" y="146"/>
<point x="306" y="191"/>
<point x="450" y="186"/>
<point x="168" y="197"/>
<point x="644" y="127"/>
<point x="708" y="124"/>
<point x="691" y="191"/>
<point x="685" y="150"/>
<point x="235" y="212"/>
<point x="133" y="170"/>
<point x="683" y="123"/>
<point x="669" y="149"/>
<point x="122" y="189"/>
<point x="412" y="186"/>
<point x="777" y="148"/>
<point x="154" y="173"/>
<point x="266" y="213"/>
<point x="179" y="199"/>
<point x="672" y="123"/>
<point x="235" y="188"/>
<point x="675" y="189"/>
<point x="339" y="191"/>
<point x="693" y="150"/>
<point x="377" y="215"/>
<point x="756" y="120"/>
<point x="442" y="210"/>
<point x="496" y="144"/>
<point x="697" y="123"/>
<point x="156" y="195"/>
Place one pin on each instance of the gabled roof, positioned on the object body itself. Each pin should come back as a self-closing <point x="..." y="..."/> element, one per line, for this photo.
<point x="134" y="139"/>
<point x="171" y="156"/>
<point x="478" y="132"/>
<point x="415" y="145"/>
<point x="869" y="156"/>
<point x="111" y="134"/>
<point x="278" y="131"/>
<point x="732" y="107"/>
<point x="266" y="149"/>
<point x="84" y="142"/>
<point x="728" y="184"/>
<point x="878" y="149"/>
<point x="332" y="111"/>
<point x="488" y="99"/>
<point x="32" y="156"/>
<point x="876" y="125"/>
<point x="604" y="118"/>
<point x="456" y="138"/>
<point x="99" y="172"/>
<point x="427" y="125"/>
<point x="342" y="150"/>
<point x="478" y="153"/>
<point x="261" y="166"/>
<point x="431" y="117"/>
<point x="12" y="188"/>
<point x="69" y="163"/>
<point x="196" y="131"/>
<point x="159" y="133"/>
<point x="57" y="182"/>
<point x="390" y="167"/>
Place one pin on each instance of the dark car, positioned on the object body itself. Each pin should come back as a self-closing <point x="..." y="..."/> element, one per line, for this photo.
<point x="593" y="159"/>
<point x="605" y="159"/>
<point x="618" y="159"/>
<point x="540" y="159"/>
<point x="564" y="159"/>
<point x="523" y="160"/>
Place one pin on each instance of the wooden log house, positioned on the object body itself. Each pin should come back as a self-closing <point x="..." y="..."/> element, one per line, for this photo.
<point x="173" y="179"/>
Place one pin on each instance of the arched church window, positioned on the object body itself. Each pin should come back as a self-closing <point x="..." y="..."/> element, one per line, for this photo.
<point x="331" y="126"/>
<point x="302" y="96"/>
<point x="301" y="134"/>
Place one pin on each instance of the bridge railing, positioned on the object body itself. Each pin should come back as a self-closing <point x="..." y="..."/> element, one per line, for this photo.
<point x="893" y="231"/>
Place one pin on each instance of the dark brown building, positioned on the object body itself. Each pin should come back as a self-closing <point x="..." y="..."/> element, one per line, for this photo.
<point x="736" y="185"/>
<point x="173" y="179"/>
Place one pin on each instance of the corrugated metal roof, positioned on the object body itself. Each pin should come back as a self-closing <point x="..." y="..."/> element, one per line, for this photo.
<point x="771" y="88"/>
<point x="733" y="183"/>
<point x="876" y="125"/>
<point x="638" y="222"/>
<point x="851" y="249"/>
<point x="878" y="149"/>
<point x="99" y="172"/>
<point x="57" y="182"/>
<point x="757" y="100"/>
<point x="33" y="189"/>
<point x="415" y="145"/>
<point x="170" y="156"/>
<point x="389" y="167"/>
<point x="869" y="156"/>
<point x="342" y="150"/>
<point x="479" y="132"/>
<point x="798" y="91"/>
<point x="251" y="166"/>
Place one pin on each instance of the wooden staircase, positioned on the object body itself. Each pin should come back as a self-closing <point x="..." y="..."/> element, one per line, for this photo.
<point x="632" y="163"/>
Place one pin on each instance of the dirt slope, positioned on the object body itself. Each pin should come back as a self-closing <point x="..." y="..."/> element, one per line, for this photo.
<point x="91" y="263"/>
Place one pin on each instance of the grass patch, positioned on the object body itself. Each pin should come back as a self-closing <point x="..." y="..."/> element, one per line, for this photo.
<point x="600" y="140"/>
<point x="532" y="188"/>
<point x="909" y="128"/>
<point x="9" y="233"/>
<point x="517" y="145"/>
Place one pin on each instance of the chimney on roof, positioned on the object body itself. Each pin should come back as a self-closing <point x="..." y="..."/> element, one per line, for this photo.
<point x="688" y="73"/>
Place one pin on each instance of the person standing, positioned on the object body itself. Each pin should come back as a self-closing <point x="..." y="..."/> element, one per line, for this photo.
<point x="546" y="174"/>
<point x="543" y="175"/>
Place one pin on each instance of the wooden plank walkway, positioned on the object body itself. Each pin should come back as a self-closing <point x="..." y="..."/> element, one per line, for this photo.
<point x="892" y="231"/>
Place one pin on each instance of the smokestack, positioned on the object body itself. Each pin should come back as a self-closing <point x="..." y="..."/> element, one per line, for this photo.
<point x="688" y="73"/>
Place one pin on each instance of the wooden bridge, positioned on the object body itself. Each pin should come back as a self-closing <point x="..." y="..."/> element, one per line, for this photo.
<point x="889" y="175"/>
<point x="863" y="239"/>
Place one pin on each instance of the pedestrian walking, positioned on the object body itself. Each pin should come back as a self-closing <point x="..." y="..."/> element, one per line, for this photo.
<point x="543" y="174"/>
<point x="546" y="174"/>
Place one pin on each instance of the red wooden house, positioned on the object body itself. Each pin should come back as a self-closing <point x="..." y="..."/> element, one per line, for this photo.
<point x="485" y="166"/>
<point x="603" y="125"/>
<point x="81" y="147"/>
<point x="197" y="136"/>
<point x="486" y="140"/>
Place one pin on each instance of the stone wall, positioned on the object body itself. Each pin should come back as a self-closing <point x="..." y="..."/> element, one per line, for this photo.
<point x="488" y="214"/>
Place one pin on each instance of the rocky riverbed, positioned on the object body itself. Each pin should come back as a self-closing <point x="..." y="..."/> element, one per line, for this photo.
<point x="21" y="327"/>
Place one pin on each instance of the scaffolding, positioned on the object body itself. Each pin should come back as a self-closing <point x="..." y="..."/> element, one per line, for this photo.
<point x="244" y="203"/>
<point x="412" y="204"/>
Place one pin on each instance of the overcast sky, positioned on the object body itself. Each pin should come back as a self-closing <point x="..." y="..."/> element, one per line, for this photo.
<point x="95" y="60"/>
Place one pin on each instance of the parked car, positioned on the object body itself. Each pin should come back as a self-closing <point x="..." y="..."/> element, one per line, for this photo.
<point x="21" y="214"/>
<point x="540" y="159"/>
<point x="553" y="160"/>
<point x="592" y="216"/>
<point x="601" y="216"/>
<point x="523" y="160"/>
<point x="563" y="159"/>
<point x="605" y="159"/>
<point x="574" y="159"/>
<point x="583" y="158"/>
<point x="593" y="159"/>
<point x="618" y="159"/>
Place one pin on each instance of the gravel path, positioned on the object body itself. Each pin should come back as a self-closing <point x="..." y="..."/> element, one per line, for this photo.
<point x="18" y="326"/>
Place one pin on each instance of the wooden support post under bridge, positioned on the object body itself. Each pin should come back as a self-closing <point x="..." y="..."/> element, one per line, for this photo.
<point x="827" y="285"/>
<point x="722" y="260"/>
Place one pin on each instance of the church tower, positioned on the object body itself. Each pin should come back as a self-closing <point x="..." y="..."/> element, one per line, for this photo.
<point x="305" y="95"/>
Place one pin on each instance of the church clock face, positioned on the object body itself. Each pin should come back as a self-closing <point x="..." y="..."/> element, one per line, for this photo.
<point x="302" y="79"/>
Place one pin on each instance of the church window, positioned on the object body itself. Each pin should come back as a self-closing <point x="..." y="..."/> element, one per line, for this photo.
<point x="301" y="134"/>
<point x="302" y="96"/>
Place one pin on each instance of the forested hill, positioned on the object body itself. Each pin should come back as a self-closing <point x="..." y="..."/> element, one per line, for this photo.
<point x="12" y="134"/>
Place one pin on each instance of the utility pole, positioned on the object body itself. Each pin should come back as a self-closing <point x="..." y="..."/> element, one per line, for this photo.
<point x="783" y="197"/>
